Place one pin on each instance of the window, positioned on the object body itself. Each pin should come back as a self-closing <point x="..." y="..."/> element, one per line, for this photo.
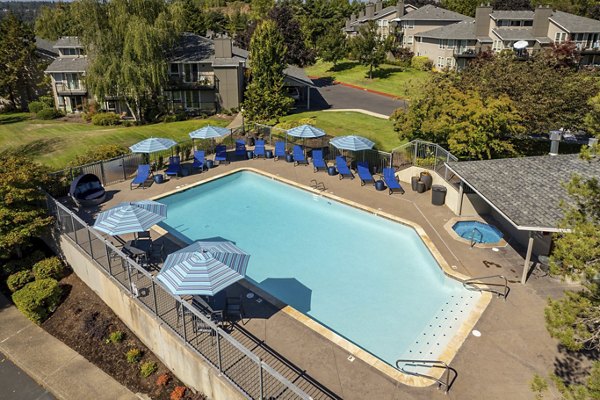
<point x="441" y="63"/>
<point x="192" y="99"/>
<point x="191" y="72"/>
<point x="409" y="40"/>
<point x="450" y="62"/>
<point x="176" y="97"/>
<point x="528" y="23"/>
<point x="560" y="37"/>
<point x="443" y="43"/>
<point x="408" y="24"/>
<point x="174" y="71"/>
<point x="497" y="45"/>
<point x="72" y="80"/>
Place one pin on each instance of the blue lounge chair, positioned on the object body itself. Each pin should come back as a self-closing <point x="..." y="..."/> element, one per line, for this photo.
<point x="342" y="167"/>
<point x="364" y="173"/>
<point x="299" y="156"/>
<point x="318" y="162"/>
<point x="142" y="177"/>
<point x="259" y="149"/>
<point x="199" y="162"/>
<point x="221" y="154"/>
<point x="174" y="167"/>
<point x="240" y="148"/>
<point x="279" y="150"/>
<point x="389" y="177"/>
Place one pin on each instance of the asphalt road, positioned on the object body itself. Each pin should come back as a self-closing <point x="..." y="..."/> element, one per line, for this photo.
<point x="329" y="96"/>
<point x="17" y="385"/>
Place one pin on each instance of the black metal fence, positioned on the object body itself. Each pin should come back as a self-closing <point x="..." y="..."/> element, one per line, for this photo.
<point x="253" y="377"/>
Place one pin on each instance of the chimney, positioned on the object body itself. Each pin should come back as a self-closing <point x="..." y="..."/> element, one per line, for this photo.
<point x="378" y="6"/>
<point x="400" y="8"/>
<point x="361" y="14"/>
<point x="482" y="20"/>
<point x="370" y="10"/>
<point x="555" y="137"/>
<point x="541" y="21"/>
<point x="223" y="47"/>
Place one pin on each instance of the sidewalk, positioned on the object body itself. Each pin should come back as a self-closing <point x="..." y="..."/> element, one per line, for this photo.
<point x="51" y="363"/>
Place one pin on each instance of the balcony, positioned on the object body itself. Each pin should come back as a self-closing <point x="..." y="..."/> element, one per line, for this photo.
<point x="203" y="82"/>
<point x="588" y="47"/>
<point x="465" y="52"/>
<point x="63" y="89"/>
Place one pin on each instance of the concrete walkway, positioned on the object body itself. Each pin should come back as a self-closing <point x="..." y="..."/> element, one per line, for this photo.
<point x="51" y="363"/>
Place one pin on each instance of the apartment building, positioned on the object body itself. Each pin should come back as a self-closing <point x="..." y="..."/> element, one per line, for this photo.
<point x="383" y="17"/>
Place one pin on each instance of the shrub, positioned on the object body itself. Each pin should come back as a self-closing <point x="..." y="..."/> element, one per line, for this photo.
<point x="48" y="113"/>
<point x="421" y="63"/>
<point x="49" y="268"/>
<point x="37" y="106"/>
<point x="115" y="337"/>
<point x="106" y="119"/>
<point x="133" y="355"/>
<point x="18" y="280"/>
<point x="99" y="153"/>
<point x="148" y="368"/>
<point x="178" y="393"/>
<point x="127" y="123"/>
<point x="403" y="56"/>
<point x="169" y="118"/>
<point x="37" y="300"/>
<point x="47" y="100"/>
<point x="163" y="380"/>
<point x="21" y="264"/>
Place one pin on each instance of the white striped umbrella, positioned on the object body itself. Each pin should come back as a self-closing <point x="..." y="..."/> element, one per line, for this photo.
<point x="209" y="132"/>
<point x="203" y="268"/>
<point x="152" y="145"/>
<point x="130" y="217"/>
<point x="352" y="143"/>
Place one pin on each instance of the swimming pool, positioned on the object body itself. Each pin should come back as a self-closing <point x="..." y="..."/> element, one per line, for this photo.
<point x="478" y="231"/>
<point x="369" y="279"/>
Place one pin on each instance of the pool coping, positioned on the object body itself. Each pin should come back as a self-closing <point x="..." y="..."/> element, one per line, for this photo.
<point x="448" y="227"/>
<point x="411" y="380"/>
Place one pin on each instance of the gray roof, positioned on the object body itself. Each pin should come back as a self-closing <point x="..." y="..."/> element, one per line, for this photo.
<point x="527" y="190"/>
<point x="68" y="41"/>
<point x="512" y="14"/>
<point x="430" y="12"/>
<point x="45" y="47"/>
<point x="574" y="23"/>
<point x="514" y="33"/>
<point x="68" y="64"/>
<point x="464" y="30"/>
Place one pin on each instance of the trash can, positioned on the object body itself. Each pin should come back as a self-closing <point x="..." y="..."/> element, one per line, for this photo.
<point x="379" y="185"/>
<point x="250" y="154"/>
<point x="210" y="164"/>
<point x="427" y="179"/>
<point x="269" y="153"/>
<point x="413" y="182"/>
<point x="289" y="158"/>
<point x="331" y="171"/>
<point x="250" y="141"/>
<point x="421" y="187"/>
<point x="159" y="178"/>
<point x="438" y="195"/>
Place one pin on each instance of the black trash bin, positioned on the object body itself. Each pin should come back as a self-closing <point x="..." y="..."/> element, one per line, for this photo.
<point x="438" y="195"/>
<point x="413" y="183"/>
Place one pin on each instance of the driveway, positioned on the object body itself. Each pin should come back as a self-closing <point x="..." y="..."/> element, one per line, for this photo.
<point x="17" y="385"/>
<point x="336" y="97"/>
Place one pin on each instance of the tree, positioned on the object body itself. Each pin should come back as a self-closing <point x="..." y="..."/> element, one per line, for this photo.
<point x="260" y="8"/>
<point x="298" y="53"/>
<point x="511" y="5"/>
<point x="265" y="99"/>
<point x="333" y="46"/>
<point x="469" y="125"/>
<point x="368" y="47"/>
<point x="465" y="7"/>
<point x="592" y="118"/>
<point x="55" y="21"/>
<point x="19" y="66"/>
<point x="22" y="212"/>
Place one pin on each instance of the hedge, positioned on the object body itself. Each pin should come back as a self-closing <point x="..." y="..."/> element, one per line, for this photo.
<point x="49" y="268"/>
<point x="38" y="299"/>
<point x="421" y="63"/>
<point x="18" y="280"/>
<point x="106" y="119"/>
<point x="48" y="113"/>
<point x="37" y="106"/>
<point x="20" y="264"/>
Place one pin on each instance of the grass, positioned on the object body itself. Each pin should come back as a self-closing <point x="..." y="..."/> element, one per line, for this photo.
<point x="55" y="143"/>
<point x="391" y="79"/>
<point x="338" y="123"/>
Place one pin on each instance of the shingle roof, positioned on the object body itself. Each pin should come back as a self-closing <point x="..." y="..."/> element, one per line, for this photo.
<point x="512" y="14"/>
<point x="68" y="64"/>
<point x="68" y="41"/>
<point x="464" y="30"/>
<point x="45" y="47"/>
<point x="527" y="190"/>
<point x="431" y="12"/>
<point x="514" y="33"/>
<point x="574" y="23"/>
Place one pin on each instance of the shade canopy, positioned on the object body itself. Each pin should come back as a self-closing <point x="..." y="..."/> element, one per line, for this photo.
<point x="152" y="145"/>
<point x="210" y="132"/>
<point x="306" y="132"/>
<point x="204" y="268"/>
<point x="352" y="142"/>
<point x="131" y="217"/>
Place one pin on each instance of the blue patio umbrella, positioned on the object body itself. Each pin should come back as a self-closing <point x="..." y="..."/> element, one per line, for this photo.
<point x="352" y="143"/>
<point x="152" y="145"/>
<point x="203" y="268"/>
<point x="210" y="132"/>
<point x="130" y="217"/>
<point x="305" y="132"/>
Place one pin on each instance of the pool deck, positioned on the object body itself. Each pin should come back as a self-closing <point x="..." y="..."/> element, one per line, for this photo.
<point x="500" y="364"/>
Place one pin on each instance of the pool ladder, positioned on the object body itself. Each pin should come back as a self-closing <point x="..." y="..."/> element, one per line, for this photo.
<point x="475" y="284"/>
<point x="317" y="185"/>
<point x="473" y="242"/>
<point x="443" y="381"/>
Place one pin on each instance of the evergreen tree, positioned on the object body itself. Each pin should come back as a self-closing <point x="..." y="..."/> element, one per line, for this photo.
<point x="260" y="8"/>
<point x="333" y="46"/>
<point x="265" y="99"/>
<point x="465" y="7"/>
<point x="55" y="21"/>
<point x="368" y="47"/>
<point x="298" y="53"/>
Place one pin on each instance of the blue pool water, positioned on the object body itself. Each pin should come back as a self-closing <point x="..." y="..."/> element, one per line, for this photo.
<point x="371" y="280"/>
<point x="489" y="233"/>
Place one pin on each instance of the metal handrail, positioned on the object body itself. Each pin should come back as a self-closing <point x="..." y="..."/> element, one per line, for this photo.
<point x="472" y="284"/>
<point x="473" y="236"/>
<point x="432" y="364"/>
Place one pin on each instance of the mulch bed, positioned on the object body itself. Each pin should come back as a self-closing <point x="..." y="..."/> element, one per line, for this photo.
<point x="84" y="322"/>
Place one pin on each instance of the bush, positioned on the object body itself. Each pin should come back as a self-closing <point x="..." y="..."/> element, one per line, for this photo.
<point x="48" y="113"/>
<point x="163" y="380"/>
<point x="403" y="56"/>
<point x="49" y="268"/>
<point x="47" y="100"/>
<point x="106" y="119"/>
<point x="99" y="153"/>
<point x="37" y="300"/>
<point x="115" y="337"/>
<point x="37" y="106"/>
<point x="127" y="123"/>
<point x="421" y="63"/>
<point x="148" y="368"/>
<point x="178" y="393"/>
<point x="18" y="280"/>
<point x="133" y="355"/>
<point x="169" y="118"/>
<point x="21" y="264"/>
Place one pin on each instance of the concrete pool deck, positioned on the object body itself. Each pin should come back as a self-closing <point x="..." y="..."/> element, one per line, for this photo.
<point x="500" y="364"/>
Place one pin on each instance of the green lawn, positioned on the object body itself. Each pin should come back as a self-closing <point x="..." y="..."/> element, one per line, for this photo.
<point x="392" y="79"/>
<point x="55" y="143"/>
<point x="338" y="123"/>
